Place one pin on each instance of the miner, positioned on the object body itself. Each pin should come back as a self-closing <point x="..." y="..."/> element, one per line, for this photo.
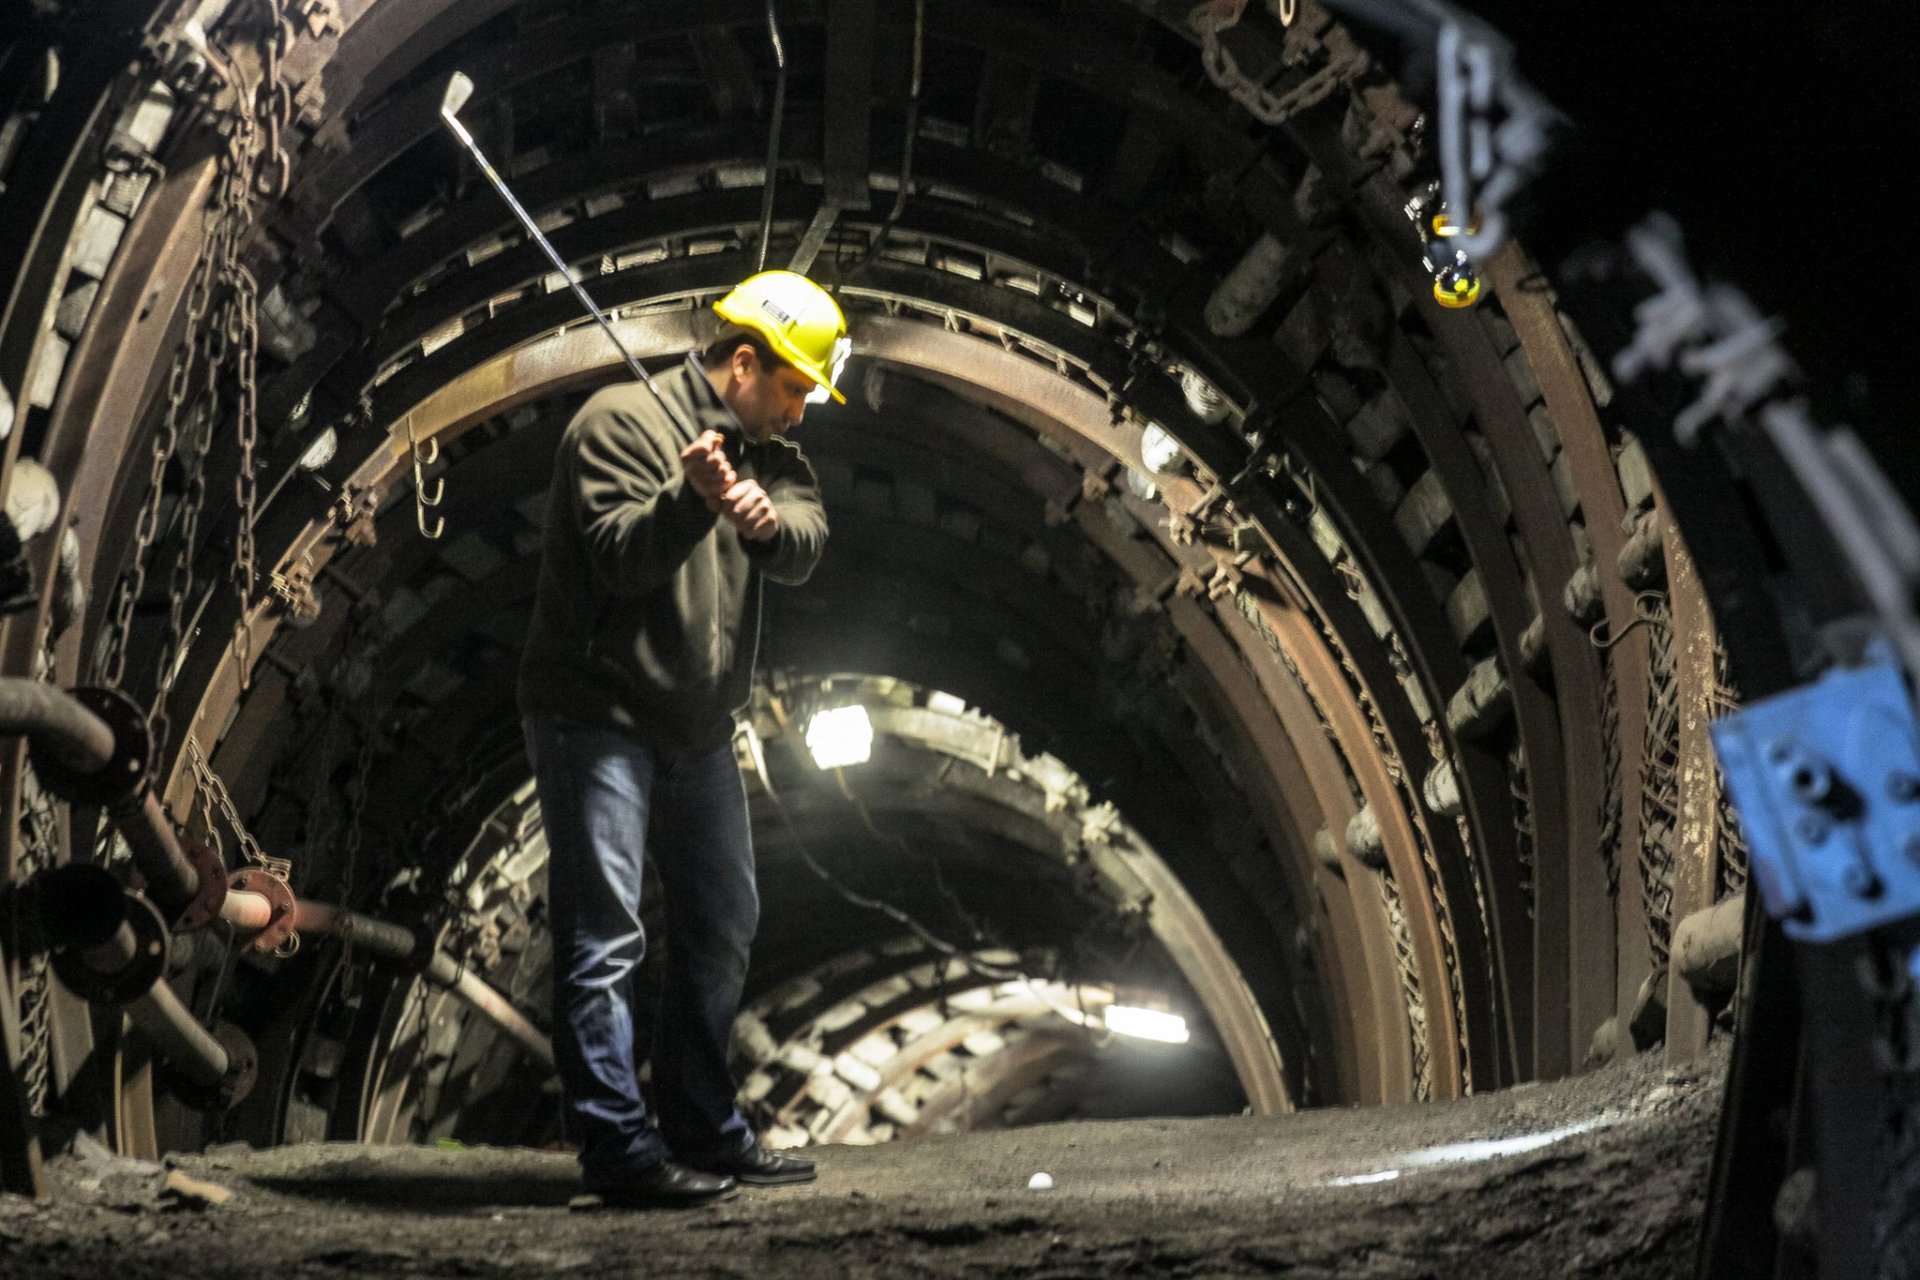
<point x="666" y="515"/>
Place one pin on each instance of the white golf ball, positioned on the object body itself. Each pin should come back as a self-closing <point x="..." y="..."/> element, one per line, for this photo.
<point x="1040" y="1182"/>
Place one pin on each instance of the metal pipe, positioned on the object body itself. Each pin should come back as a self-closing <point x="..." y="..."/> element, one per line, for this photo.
<point x="187" y="1046"/>
<point x="393" y="942"/>
<point x="76" y="911"/>
<point x="245" y="910"/>
<point x="85" y="743"/>
<point x="498" y="1010"/>
<point x="172" y="881"/>
<point x="35" y="709"/>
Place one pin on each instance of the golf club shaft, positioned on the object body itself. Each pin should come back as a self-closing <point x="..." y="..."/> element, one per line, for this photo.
<point x="526" y="220"/>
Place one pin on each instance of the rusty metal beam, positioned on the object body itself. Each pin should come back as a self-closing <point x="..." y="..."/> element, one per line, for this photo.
<point x="1536" y="321"/>
<point x="1568" y="940"/>
<point x="1696" y="860"/>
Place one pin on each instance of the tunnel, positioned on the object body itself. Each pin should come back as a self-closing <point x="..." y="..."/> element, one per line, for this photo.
<point x="1245" y="634"/>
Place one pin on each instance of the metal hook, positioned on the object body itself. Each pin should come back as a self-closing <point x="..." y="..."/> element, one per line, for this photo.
<point x="425" y="454"/>
<point x="1643" y="613"/>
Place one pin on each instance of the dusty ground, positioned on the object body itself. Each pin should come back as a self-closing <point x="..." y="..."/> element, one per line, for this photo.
<point x="1199" y="1198"/>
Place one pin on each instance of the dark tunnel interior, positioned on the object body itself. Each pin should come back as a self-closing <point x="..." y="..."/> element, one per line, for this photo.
<point x="1240" y="633"/>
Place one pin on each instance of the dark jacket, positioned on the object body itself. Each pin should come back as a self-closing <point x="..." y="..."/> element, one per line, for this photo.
<point x="648" y="613"/>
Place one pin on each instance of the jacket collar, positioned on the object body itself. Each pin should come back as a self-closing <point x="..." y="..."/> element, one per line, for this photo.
<point x="706" y="402"/>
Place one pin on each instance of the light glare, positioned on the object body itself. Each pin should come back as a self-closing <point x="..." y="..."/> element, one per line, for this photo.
<point x="1146" y="1024"/>
<point x="840" y="736"/>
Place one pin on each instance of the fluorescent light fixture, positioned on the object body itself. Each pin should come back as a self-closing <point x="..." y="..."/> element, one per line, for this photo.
<point x="1146" y="1024"/>
<point x="840" y="736"/>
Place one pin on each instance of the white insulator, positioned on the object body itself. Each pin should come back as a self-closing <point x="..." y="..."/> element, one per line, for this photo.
<point x="1158" y="449"/>
<point x="1642" y="560"/>
<point x="1326" y="850"/>
<point x="1364" y="840"/>
<point x="33" y="499"/>
<point x="1482" y="701"/>
<point x="1581" y="598"/>
<point x="1441" y="790"/>
<point x="1249" y="289"/>
<point x="1204" y="398"/>
<point x="1706" y="946"/>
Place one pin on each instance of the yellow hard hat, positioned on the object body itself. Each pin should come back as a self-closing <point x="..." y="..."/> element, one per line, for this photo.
<point x="799" y="320"/>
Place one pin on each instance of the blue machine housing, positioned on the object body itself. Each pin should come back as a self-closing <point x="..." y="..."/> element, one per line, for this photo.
<point x="1826" y="782"/>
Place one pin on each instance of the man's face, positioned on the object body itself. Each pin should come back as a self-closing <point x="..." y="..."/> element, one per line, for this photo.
<point x="769" y="399"/>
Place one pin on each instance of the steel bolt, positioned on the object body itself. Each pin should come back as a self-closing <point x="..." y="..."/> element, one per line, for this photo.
<point x="1860" y="881"/>
<point x="1779" y="751"/>
<point x="1811" y="827"/>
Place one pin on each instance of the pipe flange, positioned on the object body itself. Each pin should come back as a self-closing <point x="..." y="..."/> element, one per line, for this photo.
<point x="204" y="909"/>
<point x="243" y="1069"/>
<point x="125" y="773"/>
<point x="134" y="979"/>
<point x="278" y="936"/>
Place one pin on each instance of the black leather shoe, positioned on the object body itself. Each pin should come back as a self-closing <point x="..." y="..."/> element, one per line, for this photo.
<point x="662" y="1186"/>
<point x="759" y="1167"/>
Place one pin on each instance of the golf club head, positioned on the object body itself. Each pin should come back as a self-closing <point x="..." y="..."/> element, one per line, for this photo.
<point x="459" y="89"/>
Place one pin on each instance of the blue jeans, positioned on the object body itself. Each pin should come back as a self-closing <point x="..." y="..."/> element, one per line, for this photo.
<point x="608" y="800"/>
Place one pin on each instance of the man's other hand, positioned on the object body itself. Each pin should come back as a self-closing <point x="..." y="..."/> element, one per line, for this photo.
<point x="748" y="508"/>
<point x="707" y="468"/>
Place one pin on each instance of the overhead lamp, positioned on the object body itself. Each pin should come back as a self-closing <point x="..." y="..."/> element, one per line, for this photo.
<point x="321" y="451"/>
<point x="840" y="736"/>
<point x="1158" y="449"/>
<point x="1146" y="1024"/>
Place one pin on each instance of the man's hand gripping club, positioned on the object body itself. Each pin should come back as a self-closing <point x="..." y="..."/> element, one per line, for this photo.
<point x="743" y="503"/>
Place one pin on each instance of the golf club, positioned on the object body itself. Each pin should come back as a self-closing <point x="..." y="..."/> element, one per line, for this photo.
<point x="459" y="89"/>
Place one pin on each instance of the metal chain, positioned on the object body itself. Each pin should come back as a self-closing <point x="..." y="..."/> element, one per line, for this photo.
<point x="1659" y="777"/>
<point x="110" y="669"/>
<point x="211" y="787"/>
<point x="1270" y="108"/>
<point x="39" y="845"/>
<point x="223" y="339"/>
<point x="258" y="169"/>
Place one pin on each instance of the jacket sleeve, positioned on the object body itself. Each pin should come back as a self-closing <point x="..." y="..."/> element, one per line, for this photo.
<point x="790" y="555"/>
<point x="638" y="517"/>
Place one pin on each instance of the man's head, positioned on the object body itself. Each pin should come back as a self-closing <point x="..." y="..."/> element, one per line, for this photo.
<point x="799" y="327"/>
<point x="765" y="392"/>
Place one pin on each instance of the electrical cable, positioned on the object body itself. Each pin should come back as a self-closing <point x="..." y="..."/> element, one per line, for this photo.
<point x="981" y="968"/>
<point x="773" y="136"/>
<point x="879" y="242"/>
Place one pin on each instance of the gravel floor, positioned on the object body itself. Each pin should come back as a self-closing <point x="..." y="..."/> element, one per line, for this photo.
<point x="1599" y="1176"/>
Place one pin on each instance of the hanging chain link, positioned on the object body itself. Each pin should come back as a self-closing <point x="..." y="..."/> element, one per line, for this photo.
<point x="211" y="788"/>
<point x="39" y="847"/>
<point x="222" y="348"/>
<point x="260" y="168"/>
<point x="110" y="669"/>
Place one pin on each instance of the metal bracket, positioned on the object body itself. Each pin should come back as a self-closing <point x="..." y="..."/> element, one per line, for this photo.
<point x="1826" y="780"/>
<point x="278" y="937"/>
